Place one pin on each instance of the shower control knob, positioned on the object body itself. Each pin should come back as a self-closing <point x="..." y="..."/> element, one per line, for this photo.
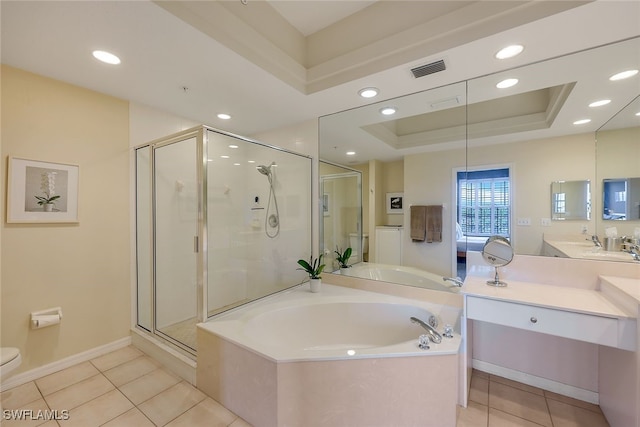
<point x="534" y="319"/>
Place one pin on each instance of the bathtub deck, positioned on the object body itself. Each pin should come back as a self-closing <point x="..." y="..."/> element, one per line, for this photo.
<point x="416" y="387"/>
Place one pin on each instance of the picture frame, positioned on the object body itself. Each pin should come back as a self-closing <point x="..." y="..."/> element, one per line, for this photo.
<point x="41" y="192"/>
<point x="395" y="203"/>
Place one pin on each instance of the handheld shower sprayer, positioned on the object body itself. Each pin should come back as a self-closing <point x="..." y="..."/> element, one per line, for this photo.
<point x="272" y="220"/>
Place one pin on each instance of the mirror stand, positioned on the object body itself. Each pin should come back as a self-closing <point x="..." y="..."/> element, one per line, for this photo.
<point x="496" y="281"/>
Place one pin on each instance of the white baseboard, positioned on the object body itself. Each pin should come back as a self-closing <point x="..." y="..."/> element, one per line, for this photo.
<point x="67" y="362"/>
<point x="534" y="381"/>
<point x="177" y="362"/>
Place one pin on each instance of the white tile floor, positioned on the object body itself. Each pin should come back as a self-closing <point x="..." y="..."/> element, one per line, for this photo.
<point x="120" y="389"/>
<point x="127" y="388"/>
<point x="499" y="402"/>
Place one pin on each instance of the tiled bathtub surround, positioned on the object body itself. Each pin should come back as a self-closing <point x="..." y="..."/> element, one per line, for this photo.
<point x="377" y="385"/>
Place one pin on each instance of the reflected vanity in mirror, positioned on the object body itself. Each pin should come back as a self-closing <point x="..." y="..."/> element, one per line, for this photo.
<point x="570" y="200"/>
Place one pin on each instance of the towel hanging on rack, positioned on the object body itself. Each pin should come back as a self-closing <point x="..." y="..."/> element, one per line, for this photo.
<point x="426" y="223"/>
<point x="418" y="223"/>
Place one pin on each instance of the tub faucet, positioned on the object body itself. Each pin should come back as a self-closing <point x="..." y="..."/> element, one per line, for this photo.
<point x="434" y="336"/>
<point x="596" y="241"/>
<point x="456" y="281"/>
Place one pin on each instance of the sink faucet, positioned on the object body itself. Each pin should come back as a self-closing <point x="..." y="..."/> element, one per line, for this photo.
<point x="596" y="241"/>
<point x="434" y="336"/>
<point x="634" y="250"/>
<point x="456" y="281"/>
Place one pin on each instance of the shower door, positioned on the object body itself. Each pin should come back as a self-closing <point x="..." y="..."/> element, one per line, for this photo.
<point x="175" y="209"/>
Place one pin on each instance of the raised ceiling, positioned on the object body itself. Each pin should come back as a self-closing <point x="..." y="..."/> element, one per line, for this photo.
<point x="263" y="65"/>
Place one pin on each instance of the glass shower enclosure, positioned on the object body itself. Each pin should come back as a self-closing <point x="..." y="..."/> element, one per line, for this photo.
<point x="221" y="221"/>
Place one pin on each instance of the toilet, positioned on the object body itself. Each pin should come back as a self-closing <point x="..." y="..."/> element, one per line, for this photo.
<point x="353" y="243"/>
<point x="10" y="358"/>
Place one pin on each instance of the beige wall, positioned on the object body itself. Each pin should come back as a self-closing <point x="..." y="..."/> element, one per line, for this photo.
<point x="536" y="164"/>
<point x="84" y="267"/>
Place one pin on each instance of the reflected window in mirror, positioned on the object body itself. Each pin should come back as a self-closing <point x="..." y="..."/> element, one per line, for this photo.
<point x="621" y="199"/>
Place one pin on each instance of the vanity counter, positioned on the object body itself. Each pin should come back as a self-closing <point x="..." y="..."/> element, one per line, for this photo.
<point x="581" y="314"/>
<point x="582" y="249"/>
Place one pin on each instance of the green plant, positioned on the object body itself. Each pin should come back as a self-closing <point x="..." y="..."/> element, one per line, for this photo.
<point x="343" y="257"/>
<point x="46" y="200"/>
<point x="313" y="268"/>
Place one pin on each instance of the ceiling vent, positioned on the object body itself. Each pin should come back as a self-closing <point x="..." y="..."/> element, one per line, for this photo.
<point x="425" y="70"/>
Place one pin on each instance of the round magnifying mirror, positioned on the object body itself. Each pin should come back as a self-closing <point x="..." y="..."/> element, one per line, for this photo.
<point x="497" y="252"/>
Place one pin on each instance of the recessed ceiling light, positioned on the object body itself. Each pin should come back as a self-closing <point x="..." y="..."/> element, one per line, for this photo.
<point x="106" y="57"/>
<point x="233" y="146"/>
<point x="368" y="92"/>
<point x="507" y="83"/>
<point x="236" y="164"/>
<point x="251" y="161"/>
<point x="581" y="122"/>
<point x="351" y="153"/>
<point x="224" y="157"/>
<point x="623" y="75"/>
<point x="388" y="111"/>
<point x="224" y="116"/>
<point x="600" y="103"/>
<point x="510" y="51"/>
<point x="638" y="113"/>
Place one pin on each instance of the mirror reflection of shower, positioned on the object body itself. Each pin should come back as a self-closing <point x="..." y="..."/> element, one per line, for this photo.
<point x="271" y="219"/>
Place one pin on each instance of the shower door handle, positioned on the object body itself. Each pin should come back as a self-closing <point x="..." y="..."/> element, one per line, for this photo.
<point x="195" y="244"/>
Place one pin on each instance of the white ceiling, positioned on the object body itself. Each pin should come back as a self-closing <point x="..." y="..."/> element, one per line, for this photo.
<point x="161" y="55"/>
<point x="310" y="16"/>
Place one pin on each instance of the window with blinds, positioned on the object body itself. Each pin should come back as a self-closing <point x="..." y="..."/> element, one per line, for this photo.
<point x="484" y="202"/>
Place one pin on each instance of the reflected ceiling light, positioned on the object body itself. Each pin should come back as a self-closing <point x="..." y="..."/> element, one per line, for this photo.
<point x="638" y="113"/>
<point x="236" y="164"/>
<point x="623" y="75"/>
<point x="224" y="116"/>
<point x="351" y="352"/>
<point x="251" y="161"/>
<point x="224" y="157"/>
<point x="351" y="153"/>
<point x="510" y="51"/>
<point x="388" y="111"/>
<point x="106" y="57"/>
<point x="368" y="92"/>
<point x="582" y="121"/>
<point x="599" y="103"/>
<point x="507" y="83"/>
<point x="233" y="146"/>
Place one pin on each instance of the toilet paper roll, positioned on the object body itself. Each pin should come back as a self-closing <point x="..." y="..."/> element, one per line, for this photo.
<point x="43" y="321"/>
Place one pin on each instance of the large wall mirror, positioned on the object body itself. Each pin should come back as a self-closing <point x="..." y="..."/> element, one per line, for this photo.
<point x="489" y="156"/>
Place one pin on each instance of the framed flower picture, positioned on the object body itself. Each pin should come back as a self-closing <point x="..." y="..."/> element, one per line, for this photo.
<point x="394" y="203"/>
<point x="41" y="191"/>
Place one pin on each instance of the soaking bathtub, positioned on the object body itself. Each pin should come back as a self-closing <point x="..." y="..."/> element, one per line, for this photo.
<point x="339" y="357"/>
<point x="399" y="274"/>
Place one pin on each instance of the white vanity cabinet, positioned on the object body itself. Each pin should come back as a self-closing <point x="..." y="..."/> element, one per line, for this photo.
<point x="579" y="314"/>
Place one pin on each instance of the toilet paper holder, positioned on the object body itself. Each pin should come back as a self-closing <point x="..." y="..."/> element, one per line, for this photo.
<point x="44" y="318"/>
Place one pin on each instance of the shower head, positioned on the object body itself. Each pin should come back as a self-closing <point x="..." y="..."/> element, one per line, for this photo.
<point x="264" y="170"/>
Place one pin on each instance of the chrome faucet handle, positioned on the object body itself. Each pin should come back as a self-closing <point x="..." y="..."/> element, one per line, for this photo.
<point x="448" y="331"/>
<point x="423" y="342"/>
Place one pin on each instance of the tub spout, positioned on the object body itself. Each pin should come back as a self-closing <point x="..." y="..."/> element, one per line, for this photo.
<point x="434" y="336"/>
<point x="456" y="281"/>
